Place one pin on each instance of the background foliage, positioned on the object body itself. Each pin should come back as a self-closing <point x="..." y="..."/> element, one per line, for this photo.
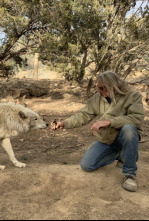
<point x="72" y="35"/>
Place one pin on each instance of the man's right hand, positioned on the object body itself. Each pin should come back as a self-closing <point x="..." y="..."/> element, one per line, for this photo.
<point x="58" y="126"/>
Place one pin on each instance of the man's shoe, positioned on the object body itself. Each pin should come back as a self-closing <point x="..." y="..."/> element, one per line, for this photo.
<point x="129" y="183"/>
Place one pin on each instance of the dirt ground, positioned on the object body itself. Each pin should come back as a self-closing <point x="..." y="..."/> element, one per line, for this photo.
<point x="53" y="186"/>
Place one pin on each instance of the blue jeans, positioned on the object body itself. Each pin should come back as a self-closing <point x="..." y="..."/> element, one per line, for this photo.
<point x="125" y="145"/>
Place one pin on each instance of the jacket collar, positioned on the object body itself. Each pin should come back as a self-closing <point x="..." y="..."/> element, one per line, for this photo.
<point x="117" y="97"/>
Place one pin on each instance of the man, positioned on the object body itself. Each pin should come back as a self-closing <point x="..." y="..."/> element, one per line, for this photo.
<point x="119" y="111"/>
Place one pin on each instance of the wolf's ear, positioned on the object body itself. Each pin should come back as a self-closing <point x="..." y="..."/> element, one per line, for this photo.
<point x="22" y="115"/>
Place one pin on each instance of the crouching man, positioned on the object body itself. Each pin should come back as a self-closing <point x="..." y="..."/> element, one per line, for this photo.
<point x="119" y="112"/>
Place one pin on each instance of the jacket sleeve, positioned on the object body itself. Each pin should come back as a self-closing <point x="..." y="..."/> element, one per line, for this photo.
<point x="134" y="115"/>
<point x="81" y="118"/>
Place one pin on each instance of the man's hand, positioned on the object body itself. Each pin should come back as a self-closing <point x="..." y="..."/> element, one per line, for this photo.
<point x="59" y="125"/>
<point x="99" y="124"/>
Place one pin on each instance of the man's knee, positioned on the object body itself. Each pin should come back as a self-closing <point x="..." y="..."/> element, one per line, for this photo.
<point x="85" y="166"/>
<point x="129" y="131"/>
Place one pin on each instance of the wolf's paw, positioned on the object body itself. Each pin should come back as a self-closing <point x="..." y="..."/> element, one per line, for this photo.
<point x="19" y="164"/>
<point x="2" y="167"/>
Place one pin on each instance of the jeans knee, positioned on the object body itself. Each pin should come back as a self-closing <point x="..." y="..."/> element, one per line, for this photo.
<point x="129" y="131"/>
<point x="84" y="165"/>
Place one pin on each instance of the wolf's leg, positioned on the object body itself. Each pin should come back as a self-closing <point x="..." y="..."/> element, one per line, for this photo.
<point x="2" y="167"/>
<point x="6" y="144"/>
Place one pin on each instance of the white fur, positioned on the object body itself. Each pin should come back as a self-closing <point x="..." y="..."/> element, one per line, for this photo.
<point x="15" y="119"/>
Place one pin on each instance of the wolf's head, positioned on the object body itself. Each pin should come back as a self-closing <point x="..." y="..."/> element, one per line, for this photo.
<point x="33" y="120"/>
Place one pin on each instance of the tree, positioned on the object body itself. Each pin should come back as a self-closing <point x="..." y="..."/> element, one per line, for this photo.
<point x="95" y="32"/>
<point x="78" y="29"/>
<point x="21" y="21"/>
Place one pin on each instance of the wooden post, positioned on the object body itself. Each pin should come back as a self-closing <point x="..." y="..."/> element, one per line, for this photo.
<point x="36" y="64"/>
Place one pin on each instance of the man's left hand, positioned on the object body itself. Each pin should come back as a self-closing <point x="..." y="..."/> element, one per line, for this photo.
<point x="99" y="124"/>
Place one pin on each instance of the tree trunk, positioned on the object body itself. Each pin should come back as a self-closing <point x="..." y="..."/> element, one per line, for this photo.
<point x="36" y="65"/>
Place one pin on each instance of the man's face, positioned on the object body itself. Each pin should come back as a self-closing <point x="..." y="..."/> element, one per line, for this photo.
<point x="102" y="89"/>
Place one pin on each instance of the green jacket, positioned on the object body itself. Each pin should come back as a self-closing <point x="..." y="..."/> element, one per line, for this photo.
<point x="128" y="109"/>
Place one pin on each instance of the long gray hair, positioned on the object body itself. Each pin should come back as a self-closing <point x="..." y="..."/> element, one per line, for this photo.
<point x="114" y="84"/>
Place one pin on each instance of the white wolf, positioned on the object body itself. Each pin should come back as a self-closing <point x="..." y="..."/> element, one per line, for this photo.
<point x="15" y="119"/>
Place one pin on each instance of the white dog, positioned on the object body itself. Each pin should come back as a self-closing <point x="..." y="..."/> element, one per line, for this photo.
<point x="15" y="119"/>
